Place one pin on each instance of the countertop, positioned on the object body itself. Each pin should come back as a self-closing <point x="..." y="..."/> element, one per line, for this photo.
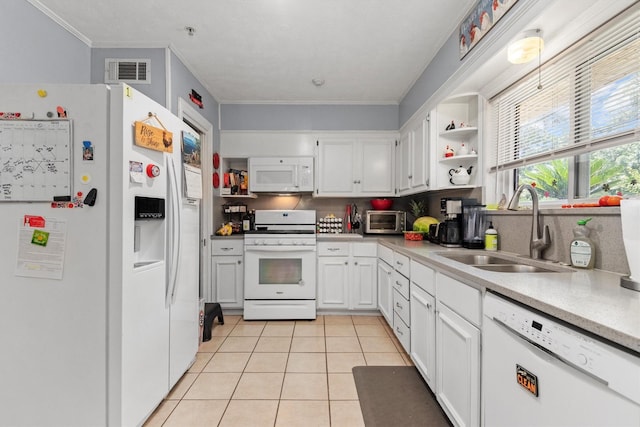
<point x="592" y="300"/>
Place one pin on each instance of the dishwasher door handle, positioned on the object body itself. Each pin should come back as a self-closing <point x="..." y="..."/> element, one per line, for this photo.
<point x="548" y="352"/>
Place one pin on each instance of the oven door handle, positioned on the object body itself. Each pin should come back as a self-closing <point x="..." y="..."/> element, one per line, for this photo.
<point x="280" y="249"/>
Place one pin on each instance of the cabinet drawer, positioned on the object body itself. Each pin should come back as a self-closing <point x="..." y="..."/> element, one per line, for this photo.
<point x="333" y="249"/>
<point x="401" y="307"/>
<point x="424" y="277"/>
<point x="227" y="247"/>
<point x="401" y="284"/>
<point x="401" y="264"/>
<point x="386" y="254"/>
<point x="368" y="249"/>
<point x="402" y="331"/>
<point x="461" y="298"/>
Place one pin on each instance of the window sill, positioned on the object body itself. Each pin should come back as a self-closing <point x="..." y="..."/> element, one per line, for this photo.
<point x="609" y="210"/>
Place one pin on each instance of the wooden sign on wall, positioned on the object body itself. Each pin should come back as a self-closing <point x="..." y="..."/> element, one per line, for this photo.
<point x="153" y="138"/>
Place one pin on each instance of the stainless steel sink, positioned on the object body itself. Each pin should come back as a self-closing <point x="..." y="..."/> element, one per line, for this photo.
<point x="504" y="263"/>
<point x="471" y="259"/>
<point x="514" y="268"/>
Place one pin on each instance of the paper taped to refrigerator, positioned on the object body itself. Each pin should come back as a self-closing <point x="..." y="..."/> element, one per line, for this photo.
<point x="41" y="249"/>
<point x="35" y="160"/>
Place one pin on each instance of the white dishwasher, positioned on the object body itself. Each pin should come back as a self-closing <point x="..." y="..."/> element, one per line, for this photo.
<point x="536" y="371"/>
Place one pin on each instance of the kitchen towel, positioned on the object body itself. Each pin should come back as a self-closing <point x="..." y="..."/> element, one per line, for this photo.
<point x="630" y="216"/>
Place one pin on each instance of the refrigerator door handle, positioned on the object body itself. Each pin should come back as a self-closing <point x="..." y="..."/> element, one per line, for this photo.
<point x="174" y="224"/>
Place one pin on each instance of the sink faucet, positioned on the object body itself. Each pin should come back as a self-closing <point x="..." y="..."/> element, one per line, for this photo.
<point x="539" y="242"/>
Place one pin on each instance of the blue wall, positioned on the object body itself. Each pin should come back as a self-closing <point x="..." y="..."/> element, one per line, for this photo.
<point x="308" y="117"/>
<point x="444" y="65"/>
<point x="182" y="82"/>
<point x="35" y="49"/>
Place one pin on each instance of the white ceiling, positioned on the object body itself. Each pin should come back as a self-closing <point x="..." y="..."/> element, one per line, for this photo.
<point x="367" y="51"/>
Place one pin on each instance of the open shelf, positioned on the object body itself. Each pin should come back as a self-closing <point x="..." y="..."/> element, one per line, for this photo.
<point x="459" y="134"/>
<point x="456" y="159"/>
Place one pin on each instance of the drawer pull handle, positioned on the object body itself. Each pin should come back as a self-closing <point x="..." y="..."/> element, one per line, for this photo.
<point x="398" y="283"/>
<point x="399" y="331"/>
<point x="333" y="249"/>
<point x="398" y="305"/>
<point x="399" y="263"/>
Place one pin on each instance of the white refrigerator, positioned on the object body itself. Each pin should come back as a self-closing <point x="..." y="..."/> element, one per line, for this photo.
<point x="98" y="298"/>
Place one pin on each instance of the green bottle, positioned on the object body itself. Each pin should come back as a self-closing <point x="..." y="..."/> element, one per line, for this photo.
<point x="582" y="249"/>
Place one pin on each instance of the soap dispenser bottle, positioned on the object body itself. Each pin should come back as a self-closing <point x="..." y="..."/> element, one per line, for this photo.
<point x="582" y="249"/>
<point x="491" y="238"/>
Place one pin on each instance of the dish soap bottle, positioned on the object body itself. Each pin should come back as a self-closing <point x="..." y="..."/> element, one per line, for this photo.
<point x="491" y="238"/>
<point x="581" y="248"/>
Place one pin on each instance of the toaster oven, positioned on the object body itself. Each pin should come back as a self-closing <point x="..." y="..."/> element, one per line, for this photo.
<point x="384" y="222"/>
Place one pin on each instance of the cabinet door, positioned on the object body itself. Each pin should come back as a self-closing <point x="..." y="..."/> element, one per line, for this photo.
<point x="385" y="290"/>
<point x="376" y="168"/>
<point x="335" y="175"/>
<point x="419" y="159"/>
<point x="364" y="285"/>
<point x="423" y="333"/>
<point x="457" y="367"/>
<point x="227" y="281"/>
<point x="403" y="161"/>
<point x="333" y="279"/>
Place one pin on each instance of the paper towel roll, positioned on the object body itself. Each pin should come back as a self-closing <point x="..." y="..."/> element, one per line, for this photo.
<point x="630" y="217"/>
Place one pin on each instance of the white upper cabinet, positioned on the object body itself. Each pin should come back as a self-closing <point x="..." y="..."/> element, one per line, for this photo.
<point x="355" y="166"/>
<point x="412" y="159"/>
<point x="457" y="130"/>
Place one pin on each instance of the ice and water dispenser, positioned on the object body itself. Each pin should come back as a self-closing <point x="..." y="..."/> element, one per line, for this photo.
<point x="149" y="231"/>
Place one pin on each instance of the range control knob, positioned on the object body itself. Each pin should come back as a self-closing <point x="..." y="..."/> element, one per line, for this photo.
<point x="153" y="171"/>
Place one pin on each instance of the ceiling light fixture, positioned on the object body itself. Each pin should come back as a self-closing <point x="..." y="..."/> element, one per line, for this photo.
<point x="528" y="46"/>
<point x="190" y="30"/>
<point x="317" y="82"/>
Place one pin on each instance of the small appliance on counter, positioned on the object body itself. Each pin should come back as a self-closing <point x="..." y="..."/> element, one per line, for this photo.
<point x="474" y="226"/>
<point x="452" y="232"/>
<point x="449" y="231"/>
<point x="385" y="222"/>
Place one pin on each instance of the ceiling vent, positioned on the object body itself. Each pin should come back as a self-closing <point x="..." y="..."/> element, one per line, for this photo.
<point x="127" y="70"/>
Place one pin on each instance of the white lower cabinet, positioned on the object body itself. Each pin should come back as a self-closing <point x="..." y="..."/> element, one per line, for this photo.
<point x="385" y="290"/>
<point x="333" y="282"/>
<point x="401" y="305"/>
<point x="423" y="333"/>
<point x="227" y="274"/>
<point x="347" y="275"/>
<point x="457" y="351"/>
<point x="364" y="284"/>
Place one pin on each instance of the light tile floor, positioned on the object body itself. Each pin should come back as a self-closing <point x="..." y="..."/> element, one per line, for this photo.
<point x="280" y="373"/>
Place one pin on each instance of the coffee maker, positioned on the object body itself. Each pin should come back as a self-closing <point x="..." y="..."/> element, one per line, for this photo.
<point x="464" y="223"/>
<point x="450" y="231"/>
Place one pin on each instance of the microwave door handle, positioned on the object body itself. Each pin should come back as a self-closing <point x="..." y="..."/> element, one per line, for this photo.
<point x="296" y="176"/>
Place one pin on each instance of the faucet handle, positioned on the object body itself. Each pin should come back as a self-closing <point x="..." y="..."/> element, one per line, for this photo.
<point x="547" y="235"/>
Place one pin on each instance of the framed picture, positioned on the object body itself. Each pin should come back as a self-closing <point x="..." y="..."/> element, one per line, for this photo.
<point x="482" y="18"/>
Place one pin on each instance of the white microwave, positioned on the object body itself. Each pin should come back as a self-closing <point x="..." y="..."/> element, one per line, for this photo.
<point x="281" y="174"/>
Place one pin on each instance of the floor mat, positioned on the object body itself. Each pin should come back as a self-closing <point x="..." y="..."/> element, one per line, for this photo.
<point x="396" y="396"/>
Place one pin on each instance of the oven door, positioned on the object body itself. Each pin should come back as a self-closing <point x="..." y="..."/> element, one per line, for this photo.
<point x="280" y="272"/>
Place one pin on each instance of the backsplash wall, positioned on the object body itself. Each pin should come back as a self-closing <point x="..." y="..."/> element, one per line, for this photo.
<point x="514" y="228"/>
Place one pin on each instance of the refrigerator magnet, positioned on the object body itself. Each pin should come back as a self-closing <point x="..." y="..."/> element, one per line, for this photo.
<point x="135" y="172"/>
<point x="87" y="151"/>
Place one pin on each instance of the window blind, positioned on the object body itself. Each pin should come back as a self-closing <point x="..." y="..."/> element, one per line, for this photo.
<point x="584" y="99"/>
